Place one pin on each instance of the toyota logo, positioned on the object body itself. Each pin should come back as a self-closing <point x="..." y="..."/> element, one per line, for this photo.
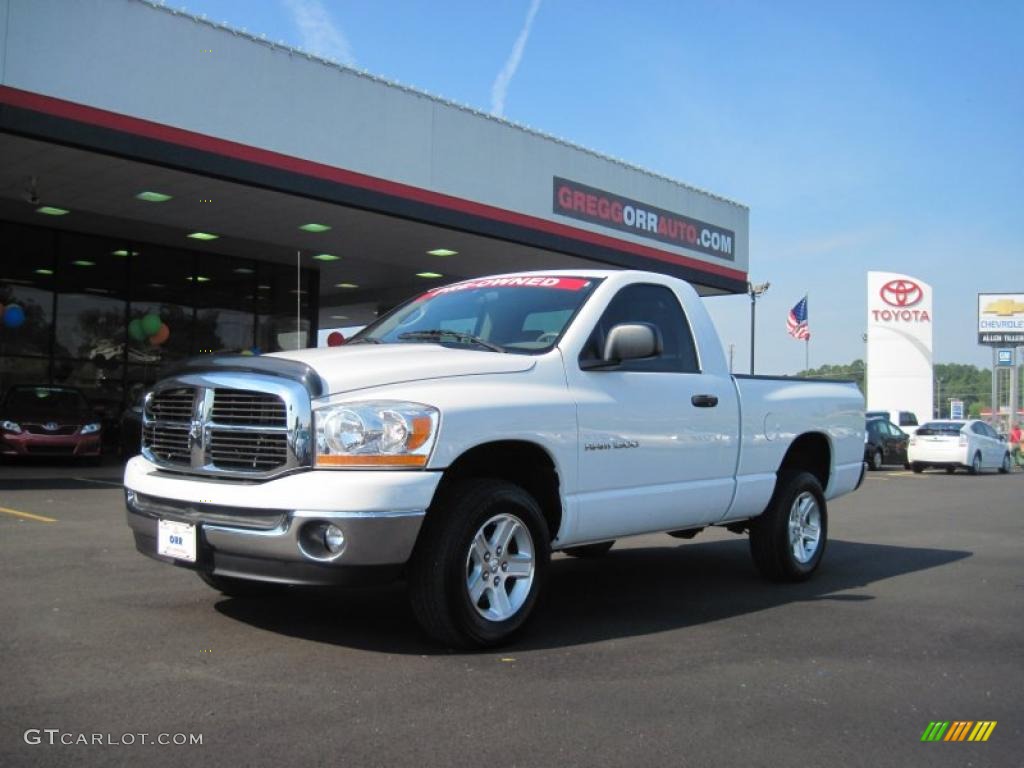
<point x="901" y="293"/>
<point x="51" y="426"/>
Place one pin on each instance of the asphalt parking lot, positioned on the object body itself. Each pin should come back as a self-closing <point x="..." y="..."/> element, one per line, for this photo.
<point x="665" y="652"/>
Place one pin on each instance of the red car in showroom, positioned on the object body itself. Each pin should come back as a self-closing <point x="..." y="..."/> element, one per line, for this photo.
<point x="48" y="421"/>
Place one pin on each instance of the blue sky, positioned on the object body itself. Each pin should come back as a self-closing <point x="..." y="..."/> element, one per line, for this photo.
<point x="863" y="135"/>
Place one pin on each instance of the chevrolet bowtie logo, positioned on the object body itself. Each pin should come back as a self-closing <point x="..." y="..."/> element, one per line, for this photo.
<point x="1003" y="308"/>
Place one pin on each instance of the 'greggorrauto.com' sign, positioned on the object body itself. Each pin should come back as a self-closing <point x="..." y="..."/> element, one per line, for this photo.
<point x="610" y="210"/>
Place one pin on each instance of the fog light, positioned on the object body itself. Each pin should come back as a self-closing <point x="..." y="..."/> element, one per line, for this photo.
<point x="334" y="539"/>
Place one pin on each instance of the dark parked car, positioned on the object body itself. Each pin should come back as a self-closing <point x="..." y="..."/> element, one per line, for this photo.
<point x="49" y="421"/>
<point x="884" y="443"/>
<point x="130" y="442"/>
<point x="903" y="418"/>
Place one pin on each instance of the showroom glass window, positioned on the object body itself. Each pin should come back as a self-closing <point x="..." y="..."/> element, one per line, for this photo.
<point x="283" y="303"/>
<point x="89" y="342"/>
<point x="27" y="271"/>
<point x="655" y="305"/>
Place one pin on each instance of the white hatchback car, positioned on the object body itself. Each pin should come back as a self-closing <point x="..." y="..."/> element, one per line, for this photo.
<point x="953" y="443"/>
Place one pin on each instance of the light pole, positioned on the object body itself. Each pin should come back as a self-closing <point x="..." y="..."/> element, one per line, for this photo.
<point x="756" y="291"/>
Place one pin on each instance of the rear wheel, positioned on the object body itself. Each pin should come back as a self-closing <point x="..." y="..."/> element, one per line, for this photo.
<point x="975" y="467"/>
<point x="479" y="564"/>
<point x="1004" y="468"/>
<point x="916" y="467"/>
<point x="875" y="462"/>
<point x="788" y="540"/>
<point x="590" y="550"/>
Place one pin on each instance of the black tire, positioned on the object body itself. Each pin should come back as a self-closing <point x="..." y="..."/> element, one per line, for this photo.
<point x="243" y="588"/>
<point x="875" y="462"/>
<point x="1006" y="466"/>
<point x="770" y="535"/>
<point x="590" y="550"/>
<point x="917" y="467"/>
<point x="438" y="590"/>
<point x="950" y="470"/>
<point x="975" y="467"/>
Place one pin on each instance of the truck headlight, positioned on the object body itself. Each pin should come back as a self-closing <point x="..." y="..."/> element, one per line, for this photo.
<point x="88" y="429"/>
<point x="10" y="426"/>
<point x="375" y="434"/>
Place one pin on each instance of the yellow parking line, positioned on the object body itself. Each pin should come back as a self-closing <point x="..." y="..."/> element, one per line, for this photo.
<point x="27" y="515"/>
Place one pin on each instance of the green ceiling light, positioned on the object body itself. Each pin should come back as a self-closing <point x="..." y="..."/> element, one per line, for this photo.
<point x="345" y="285"/>
<point x="83" y="263"/>
<point x="313" y="227"/>
<point x="442" y="252"/>
<point x="429" y="275"/>
<point x="326" y="257"/>
<point x="263" y="287"/>
<point x="153" y="197"/>
<point x="243" y="271"/>
<point x="122" y="252"/>
<point x="199" y="279"/>
<point x="49" y="210"/>
<point x="203" y="236"/>
<point x="44" y="271"/>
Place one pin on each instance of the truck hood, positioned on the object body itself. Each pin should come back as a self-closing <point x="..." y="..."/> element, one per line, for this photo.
<point x="346" y="369"/>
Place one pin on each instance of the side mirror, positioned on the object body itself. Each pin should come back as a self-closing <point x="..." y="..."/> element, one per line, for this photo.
<point x="627" y="341"/>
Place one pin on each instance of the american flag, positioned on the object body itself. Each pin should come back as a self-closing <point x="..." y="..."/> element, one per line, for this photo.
<point x="796" y="323"/>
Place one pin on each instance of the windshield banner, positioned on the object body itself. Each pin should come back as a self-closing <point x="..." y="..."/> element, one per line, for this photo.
<point x="536" y="281"/>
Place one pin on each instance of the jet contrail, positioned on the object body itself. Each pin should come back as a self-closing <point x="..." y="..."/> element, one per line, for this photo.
<point x="501" y="82"/>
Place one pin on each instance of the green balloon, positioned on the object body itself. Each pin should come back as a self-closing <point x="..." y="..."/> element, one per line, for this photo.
<point x="151" y="323"/>
<point x="135" y="330"/>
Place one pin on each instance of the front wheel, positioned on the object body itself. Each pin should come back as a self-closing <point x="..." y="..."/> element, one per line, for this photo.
<point x="788" y="540"/>
<point x="479" y="564"/>
<point x="916" y="467"/>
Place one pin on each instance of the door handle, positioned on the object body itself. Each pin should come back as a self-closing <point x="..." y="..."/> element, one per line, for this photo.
<point x="704" y="401"/>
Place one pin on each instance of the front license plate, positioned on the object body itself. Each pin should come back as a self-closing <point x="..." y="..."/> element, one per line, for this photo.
<point x="177" y="540"/>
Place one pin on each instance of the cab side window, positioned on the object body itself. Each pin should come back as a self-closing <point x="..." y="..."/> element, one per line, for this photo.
<point x="657" y="306"/>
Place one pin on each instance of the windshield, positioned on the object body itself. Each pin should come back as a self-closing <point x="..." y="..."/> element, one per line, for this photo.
<point x="524" y="315"/>
<point x="45" y="401"/>
<point x="940" y="428"/>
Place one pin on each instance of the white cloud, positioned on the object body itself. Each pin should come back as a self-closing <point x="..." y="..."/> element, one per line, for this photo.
<point x="500" y="87"/>
<point x="320" y="35"/>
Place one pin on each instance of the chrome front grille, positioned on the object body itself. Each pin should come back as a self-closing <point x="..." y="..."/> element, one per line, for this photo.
<point x="247" y="450"/>
<point x="237" y="424"/>
<point x="236" y="406"/>
<point x="172" y="404"/>
<point x="168" y="443"/>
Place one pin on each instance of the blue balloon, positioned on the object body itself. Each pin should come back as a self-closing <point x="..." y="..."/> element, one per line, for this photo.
<point x="14" y="316"/>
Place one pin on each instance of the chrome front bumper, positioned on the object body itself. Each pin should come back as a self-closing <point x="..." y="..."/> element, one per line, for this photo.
<point x="280" y="545"/>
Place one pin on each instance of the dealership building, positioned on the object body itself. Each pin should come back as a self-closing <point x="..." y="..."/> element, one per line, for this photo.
<point x="170" y="186"/>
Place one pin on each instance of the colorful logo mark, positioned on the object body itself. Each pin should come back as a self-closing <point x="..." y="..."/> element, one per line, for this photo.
<point x="958" y="730"/>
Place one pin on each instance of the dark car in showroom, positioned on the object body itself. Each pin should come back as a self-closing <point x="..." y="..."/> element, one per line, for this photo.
<point x="47" y="420"/>
<point x="884" y="443"/>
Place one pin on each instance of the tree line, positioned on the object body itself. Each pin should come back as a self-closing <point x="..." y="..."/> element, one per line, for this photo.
<point x="957" y="381"/>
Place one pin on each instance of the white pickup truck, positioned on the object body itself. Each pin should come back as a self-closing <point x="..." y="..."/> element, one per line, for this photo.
<point x="473" y="430"/>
